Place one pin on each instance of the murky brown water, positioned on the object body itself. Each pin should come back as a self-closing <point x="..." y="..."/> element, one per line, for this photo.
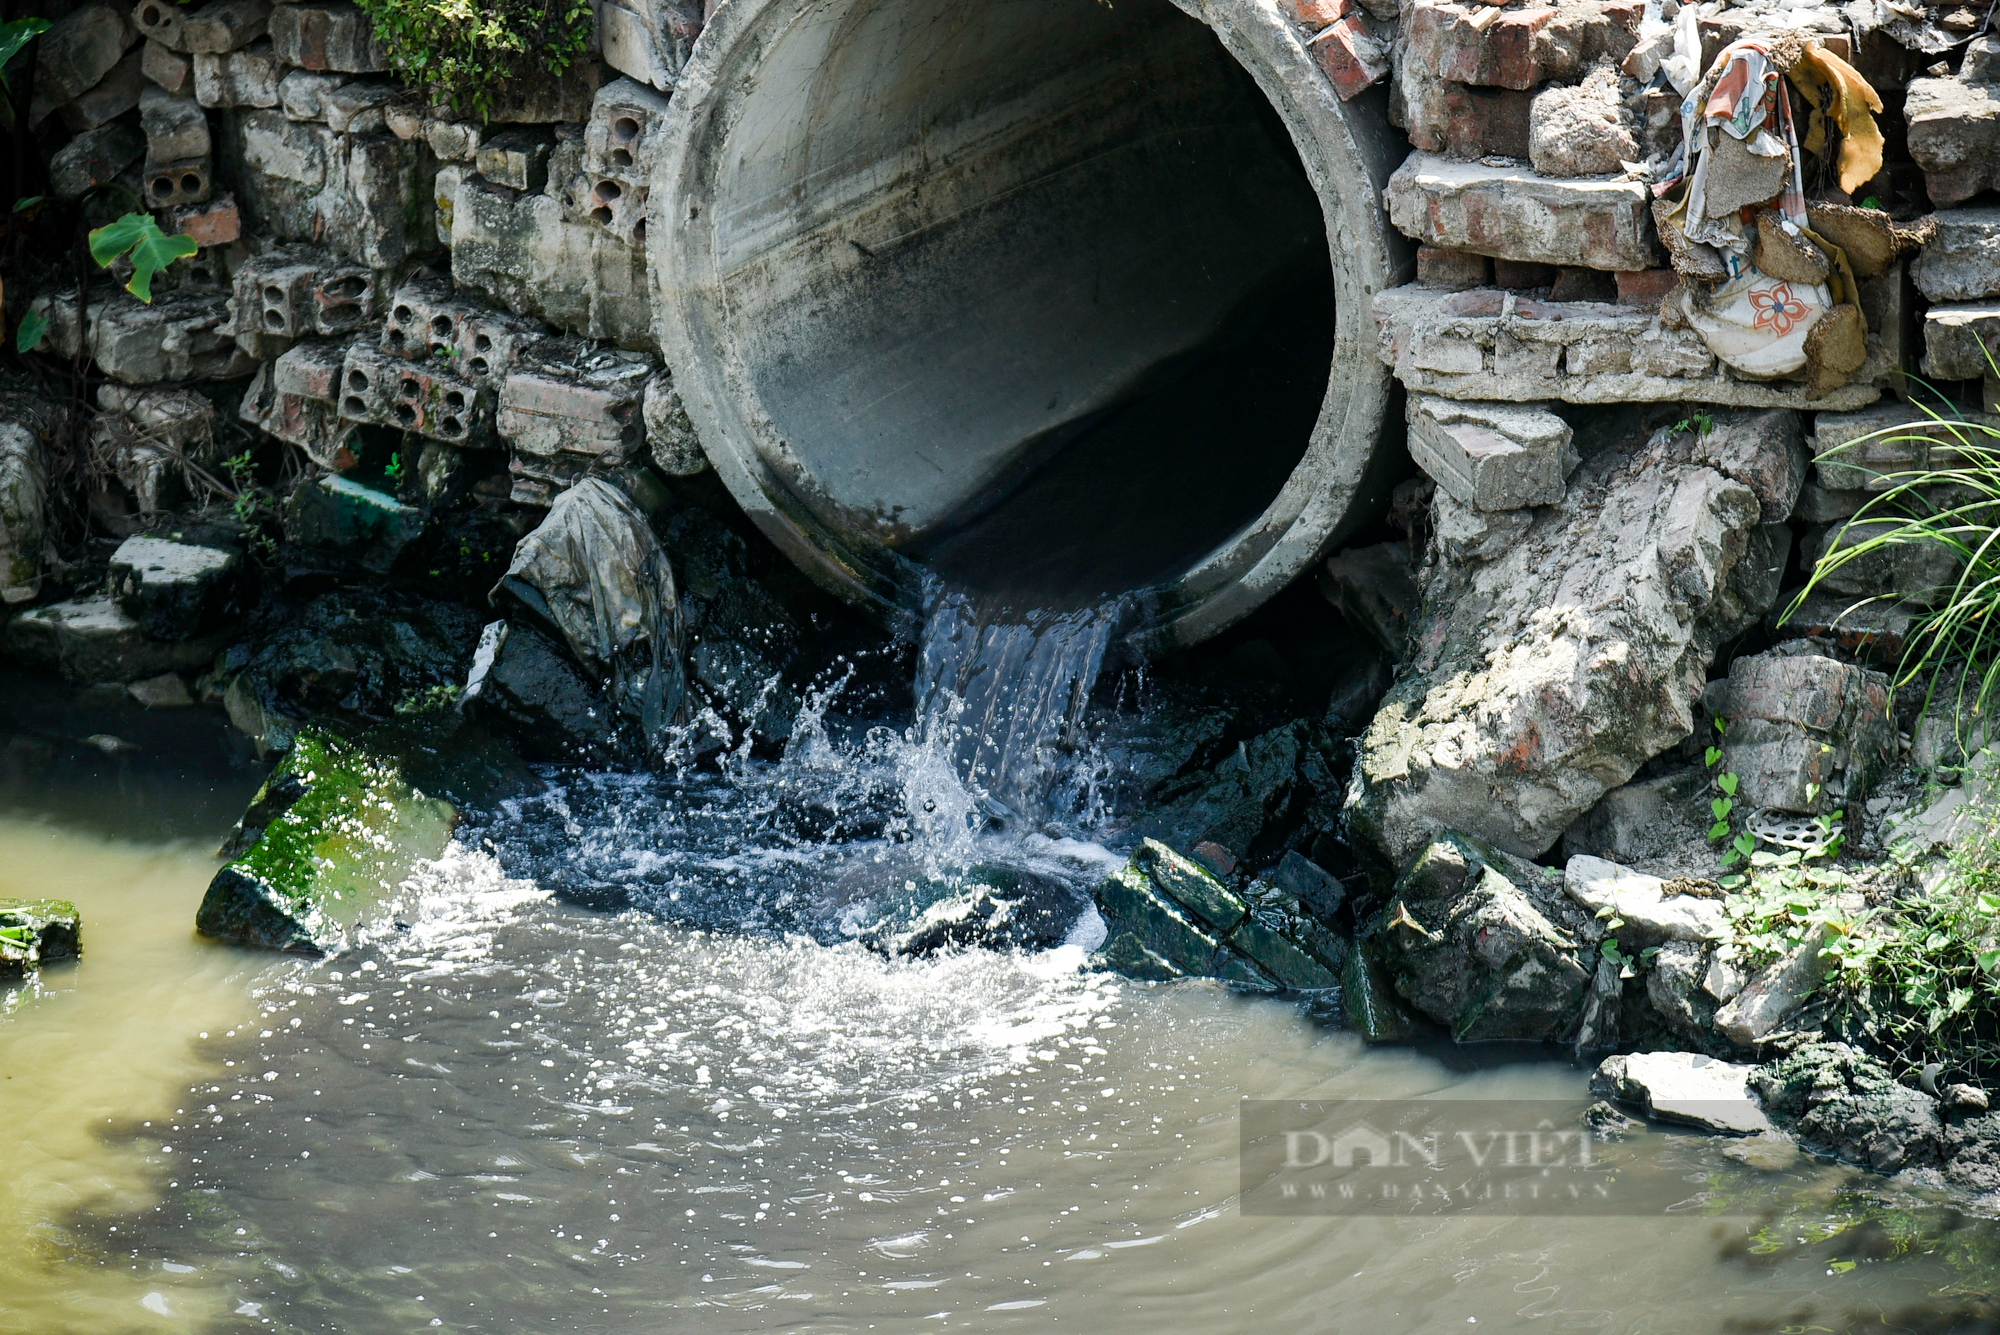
<point x="514" y="1114"/>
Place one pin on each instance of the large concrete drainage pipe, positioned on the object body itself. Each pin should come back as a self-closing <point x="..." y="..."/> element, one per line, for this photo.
<point x="1058" y="299"/>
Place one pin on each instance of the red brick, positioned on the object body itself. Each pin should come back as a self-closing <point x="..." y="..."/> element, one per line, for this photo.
<point x="1452" y="270"/>
<point x="216" y="223"/>
<point x="1500" y="52"/>
<point x="1317" y="14"/>
<point x="1351" y="56"/>
<point x="1516" y="276"/>
<point x="1483" y="121"/>
<point x="1646" y="288"/>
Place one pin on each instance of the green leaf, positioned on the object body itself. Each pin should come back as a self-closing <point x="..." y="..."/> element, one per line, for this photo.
<point x="151" y="249"/>
<point x="1721" y="807"/>
<point x="15" y="35"/>
<point x="23" y="205"/>
<point x="1746" y="844"/>
<point x="1719" y="830"/>
<point x="1727" y="783"/>
<point x="1714" y="755"/>
<point x="1721" y="724"/>
<point x="29" y="335"/>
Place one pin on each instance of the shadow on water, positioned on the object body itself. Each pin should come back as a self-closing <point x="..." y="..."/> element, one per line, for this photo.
<point x="95" y="759"/>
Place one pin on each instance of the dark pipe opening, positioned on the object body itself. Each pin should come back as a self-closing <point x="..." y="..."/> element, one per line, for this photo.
<point x="1040" y="294"/>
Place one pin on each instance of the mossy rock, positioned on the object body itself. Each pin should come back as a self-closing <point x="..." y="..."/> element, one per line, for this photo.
<point x="35" y="931"/>
<point x="343" y="822"/>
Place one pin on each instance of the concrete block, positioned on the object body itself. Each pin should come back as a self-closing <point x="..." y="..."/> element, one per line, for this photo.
<point x="428" y="321"/>
<point x="172" y="184"/>
<point x="1516" y="48"/>
<point x="357" y="107"/>
<point x="517" y="158"/>
<point x="217" y="222"/>
<point x="115" y="94"/>
<point x="178" y="337"/>
<point x="303" y="93"/>
<point x="1512" y="213"/>
<point x="525" y="253"/>
<point x="334" y="512"/>
<point x="313" y="425"/>
<point x="565" y="395"/>
<point x="1867" y="450"/>
<point x="1962" y="261"/>
<point x="222" y="26"/>
<point x="176" y="127"/>
<point x="93" y="158"/>
<point x="297" y="292"/>
<point x="1476" y="345"/>
<point x="327" y="37"/>
<point x="648" y="40"/>
<point x="92" y="639"/>
<point x="1350" y="54"/>
<point x="161" y="22"/>
<point x="1954" y="135"/>
<point x="77" y="51"/>
<point x="243" y="78"/>
<point x="1962" y="340"/>
<point x="1491" y="456"/>
<point x="312" y="369"/>
<point x="360" y="194"/>
<point x="167" y="68"/>
<point x="174" y="590"/>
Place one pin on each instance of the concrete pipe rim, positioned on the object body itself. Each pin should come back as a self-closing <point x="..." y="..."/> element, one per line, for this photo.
<point x="1340" y="482"/>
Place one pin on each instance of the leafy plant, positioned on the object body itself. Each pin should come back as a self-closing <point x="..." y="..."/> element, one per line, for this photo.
<point x="28" y="334"/>
<point x="13" y="37"/>
<point x="1699" y="423"/>
<point x="1952" y="503"/>
<point x="139" y="236"/>
<point x="464" y="54"/>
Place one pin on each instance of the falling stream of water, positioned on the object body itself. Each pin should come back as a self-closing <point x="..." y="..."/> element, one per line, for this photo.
<point x="631" y="1057"/>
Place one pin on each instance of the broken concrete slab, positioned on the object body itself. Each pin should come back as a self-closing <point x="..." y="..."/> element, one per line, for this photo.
<point x="1807" y="732"/>
<point x="76" y="53"/>
<point x="1962" y="340"/>
<point x="670" y="431"/>
<point x="176" y="127"/>
<point x="1962" y="261"/>
<point x="176" y="337"/>
<point x="1501" y="346"/>
<point x="526" y="253"/>
<point x="1685" y="1088"/>
<point x="94" y="158"/>
<point x="1491" y="456"/>
<point x="649" y="40"/>
<point x="1583" y="130"/>
<point x="1651" y="914"/>
<point x="92" y="639"/>
<point x="115" y="94"/>
<point x="337" y="513"/>
<point x="566" y="395"/>
<point x="1765" y="451"/>
<point x="243" y="78"/>
<point x="1954" y="135"/>
<point x="1516" y="214"/>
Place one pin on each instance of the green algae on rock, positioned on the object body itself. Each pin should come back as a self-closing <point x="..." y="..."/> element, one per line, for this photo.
<point x="342" y="822"/>
<point x="35" y="931"/>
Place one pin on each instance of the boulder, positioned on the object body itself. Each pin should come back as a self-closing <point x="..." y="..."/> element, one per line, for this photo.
<point x="1807" y="732"/>
<point x="986" y="906"/>
<point x="1545" y="678"/>
<point x="594" y="572"/>
<point x="1765" y="451"/>
<point x="23" y="502"/>
<point x="1653" y="911"/>
<point x="1774" y="998"/>
<point x="1640" y="820"/>
<point x="1169" y="917"/>
<point x="1686" y="1088"/>
<point x="524" y="682"/>
<point x="1838" y="1101"/>
<point x="1962" y="261"/>
<point x="1246" y="801"/>
<point x="342" y="823"/>
<point x="1675" y="990"/>
<point x="93" y="639"/>
<point x="1484" y="944"/>
<point x="36" y="931"/>
<point x="174" y="589"/>
<point x="1583" y="130"/>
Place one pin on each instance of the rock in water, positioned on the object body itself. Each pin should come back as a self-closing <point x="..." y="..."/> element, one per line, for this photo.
<point x="35" y="931"/>
<point x="173" y="589"/>
<point x="1168" y="917"/>
<point x="1684" y="1087"/>
<point x="341" y="823"/>
<point x="1548" y="675"/>
<point x="595" y="572"/>
<point x="1838" y="1101"/>
<point x="553" y="713"/>
<point x="1486" y="944"/>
